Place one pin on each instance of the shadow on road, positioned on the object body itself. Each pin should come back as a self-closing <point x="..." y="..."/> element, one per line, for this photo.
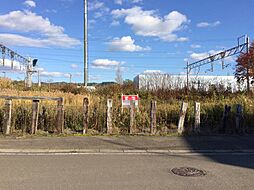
<point x="230" y="148"/>
<point x="221" y="149"/>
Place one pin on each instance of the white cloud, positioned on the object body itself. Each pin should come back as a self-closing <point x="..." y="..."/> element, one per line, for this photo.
<point x="99" y="7"/>
<point x="137" y="1"/>
<point x="195" y="46"/>
<point x="18" y="40"/>
<point x="147" y="23"/>
<point x="91" y="23"/>
<point x="207" y="24"/>
<point x="29" y="22"/>
<point x="95" y="5"/>
<point x="120" y="2"/>
<point x="54" y="74"/>
<point x="199" y="56"/>
<point x="94" y="77"/>
<point x="115" y="23"/>
<point x="152" y="71"/>
<point x="126" y="43"/>
<point x="105" y="63"/>
<point x="29" y="3"/>
<point x="74" y="66"/>
<point x="50" y="11"/>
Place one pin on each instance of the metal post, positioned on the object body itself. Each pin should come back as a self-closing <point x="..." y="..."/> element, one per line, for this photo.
<point x="85" y="45"/>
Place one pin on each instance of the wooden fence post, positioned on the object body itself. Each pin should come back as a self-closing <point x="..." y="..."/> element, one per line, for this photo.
<point x="60" y="115"/>
<point x="44" y="118"/>
<point x="197" y="117"/>
<point x="95" y="119"/>
<point x="132" y="118"/>
<point x="35" y="116"/>
<point x="225" y="118"/>
<point x="239" y="118"/>
<point x="182" y="117"/>
<point x="153" y="117"/>
<point x="85" y="115"/>
<point x="109" y="116"/>
<point x="7" y="116"/>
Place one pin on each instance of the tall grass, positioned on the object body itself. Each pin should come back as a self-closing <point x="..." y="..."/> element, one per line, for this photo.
<point x="168" y="107"/>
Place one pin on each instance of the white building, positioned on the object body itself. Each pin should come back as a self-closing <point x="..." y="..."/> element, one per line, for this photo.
<point x="157" y="80"/>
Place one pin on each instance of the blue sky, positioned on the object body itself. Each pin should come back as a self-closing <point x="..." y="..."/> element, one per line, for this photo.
<point x="140" y="35"/>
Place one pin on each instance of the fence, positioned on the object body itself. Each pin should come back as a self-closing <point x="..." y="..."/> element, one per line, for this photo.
<point x="108" y="117"/>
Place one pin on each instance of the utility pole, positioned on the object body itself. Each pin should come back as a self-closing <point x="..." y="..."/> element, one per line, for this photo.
<point x="85" y="45"/>
<point x="187" y="82"/>
<point x="247" y="41"/>
<point x="70" y="77"/>
<point x="119" y="78"/>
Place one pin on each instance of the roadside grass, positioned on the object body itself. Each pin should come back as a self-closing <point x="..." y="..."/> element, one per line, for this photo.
<point x="168" y="107"/>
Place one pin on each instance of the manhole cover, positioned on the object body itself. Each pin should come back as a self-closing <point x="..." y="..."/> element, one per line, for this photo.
<point x="188" y="172"/>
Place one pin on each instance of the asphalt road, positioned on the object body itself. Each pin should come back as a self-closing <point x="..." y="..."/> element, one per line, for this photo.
<point x="124" y="172"/>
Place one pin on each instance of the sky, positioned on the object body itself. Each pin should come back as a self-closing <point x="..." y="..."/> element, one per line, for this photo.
<point x="136" y="35"/>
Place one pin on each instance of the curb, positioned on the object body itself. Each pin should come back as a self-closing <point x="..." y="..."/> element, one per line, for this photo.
<point x="121" y="151"/>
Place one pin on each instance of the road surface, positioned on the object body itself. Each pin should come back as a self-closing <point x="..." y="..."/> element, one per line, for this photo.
<point x="124" y="171"/>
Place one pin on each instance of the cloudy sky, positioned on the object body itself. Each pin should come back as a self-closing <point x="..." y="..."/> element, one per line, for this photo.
<point x="139" y="35"/>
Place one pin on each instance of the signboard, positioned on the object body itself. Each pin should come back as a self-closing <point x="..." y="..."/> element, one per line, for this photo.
<point x="127" y="99"/>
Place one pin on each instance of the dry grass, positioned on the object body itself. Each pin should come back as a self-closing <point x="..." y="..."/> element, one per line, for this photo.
<point x="168" y="108"/>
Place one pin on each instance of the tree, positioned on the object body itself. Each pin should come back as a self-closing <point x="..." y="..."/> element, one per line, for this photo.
<point x="245" y="67"/>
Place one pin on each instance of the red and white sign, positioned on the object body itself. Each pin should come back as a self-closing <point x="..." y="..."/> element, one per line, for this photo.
<point x="126" y="100"/>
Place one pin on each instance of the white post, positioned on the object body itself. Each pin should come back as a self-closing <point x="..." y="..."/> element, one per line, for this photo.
<point x="197" y="117"/>
<point x="109" y="116"/>
<point x="182" y="117"/>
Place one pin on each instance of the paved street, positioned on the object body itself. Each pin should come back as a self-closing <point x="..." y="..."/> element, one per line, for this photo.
<point x="120" y="172"/>
<point x="126" y="162"/>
